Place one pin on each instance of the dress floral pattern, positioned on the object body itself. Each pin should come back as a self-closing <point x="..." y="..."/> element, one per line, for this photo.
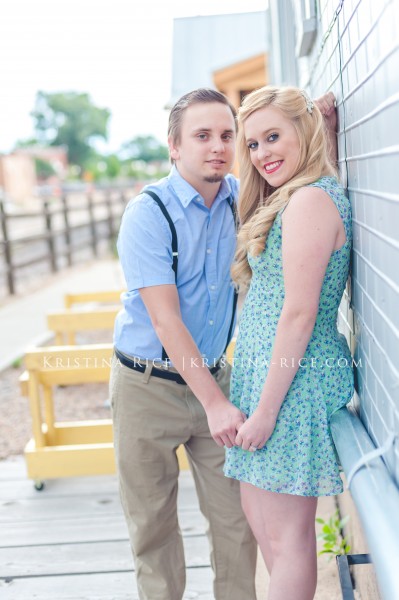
<point x="299" y="457"/>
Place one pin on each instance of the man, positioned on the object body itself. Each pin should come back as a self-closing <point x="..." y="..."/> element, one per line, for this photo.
<point x="179" y="310"/>
<point x="187" y="317"/>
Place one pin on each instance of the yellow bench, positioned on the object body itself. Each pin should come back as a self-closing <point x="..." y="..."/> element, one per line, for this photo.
<point x="104" y="297"/>
<point x="68" y="449"/>
<point x="230" y="351"/>
<point x="66" y="323"/>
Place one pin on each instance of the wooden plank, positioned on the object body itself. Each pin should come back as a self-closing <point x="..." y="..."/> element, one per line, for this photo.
<point x="104" y="586"/>
<point x="82" y="320"/>
<point x="94" y="297"/>
<point x="60" y="507"/>
<point x="22" y="488"/>
<point x="77" y="528"/>
<point x="12" y="469"/>
<point x="63" y="358"/>
<point x="88" y="557"/>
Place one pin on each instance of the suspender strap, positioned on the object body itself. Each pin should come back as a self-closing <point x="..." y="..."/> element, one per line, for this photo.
<point x="171" y="225"/>
<point x="233" y="207"/>
<point x="175" y="254"/>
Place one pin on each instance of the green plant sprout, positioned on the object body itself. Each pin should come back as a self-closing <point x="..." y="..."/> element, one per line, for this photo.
<point x="331" y="534"/>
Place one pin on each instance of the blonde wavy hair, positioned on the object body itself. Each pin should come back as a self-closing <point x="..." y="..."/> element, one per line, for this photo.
<point x="258" y="202"/>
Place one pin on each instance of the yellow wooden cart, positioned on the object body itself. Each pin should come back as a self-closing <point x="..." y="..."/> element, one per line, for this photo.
<point x="68" y="449"/>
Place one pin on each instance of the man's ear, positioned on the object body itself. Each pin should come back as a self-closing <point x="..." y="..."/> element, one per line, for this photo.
<point x="173" y="150"/>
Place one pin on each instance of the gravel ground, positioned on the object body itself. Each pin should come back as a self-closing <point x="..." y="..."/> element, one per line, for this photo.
<point x="72" y="403"/>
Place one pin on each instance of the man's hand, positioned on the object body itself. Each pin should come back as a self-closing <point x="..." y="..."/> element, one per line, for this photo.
<point x="256" y="430"/>
<point x="224" y="420"/>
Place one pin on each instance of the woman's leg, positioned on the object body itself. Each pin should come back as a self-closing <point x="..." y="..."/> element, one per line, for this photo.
<point x="284" y="526"/>
<point x="254" y="513"/>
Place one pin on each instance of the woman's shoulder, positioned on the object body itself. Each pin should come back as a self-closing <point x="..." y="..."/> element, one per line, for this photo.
<point x="314" y="196"/>
<point x="334" y="189"/>
<point x="330" y="184"/>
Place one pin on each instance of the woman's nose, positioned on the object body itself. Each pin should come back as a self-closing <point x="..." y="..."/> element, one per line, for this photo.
<point x="263" y="152"/>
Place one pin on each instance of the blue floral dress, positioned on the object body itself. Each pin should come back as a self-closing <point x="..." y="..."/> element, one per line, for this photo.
<point x="299" y="457"/>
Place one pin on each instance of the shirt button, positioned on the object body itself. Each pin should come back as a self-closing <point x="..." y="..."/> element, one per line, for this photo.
<point x="208" y="250"/>
<point x="211" y="322"/>
<point x="213" y="287"/>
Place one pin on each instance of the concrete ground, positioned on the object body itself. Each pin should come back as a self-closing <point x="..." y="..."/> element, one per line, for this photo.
<point x="23" y="318"/>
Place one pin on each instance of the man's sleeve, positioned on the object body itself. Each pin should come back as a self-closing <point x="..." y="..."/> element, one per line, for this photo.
<point x="145" y="246"/>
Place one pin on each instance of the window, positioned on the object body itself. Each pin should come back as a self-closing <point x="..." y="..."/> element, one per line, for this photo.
<point x="306" y="26"/>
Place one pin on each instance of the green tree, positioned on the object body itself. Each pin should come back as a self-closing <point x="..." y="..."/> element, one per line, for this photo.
<point x="27" y="143"/>
<point x="146" y="148"/>
<point x="103" y="168"/>
<point x="70" y="119"/>
<point x="43" y="168"/>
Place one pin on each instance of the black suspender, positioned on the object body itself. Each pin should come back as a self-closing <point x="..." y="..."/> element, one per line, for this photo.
<point x="161" y="205"/>
<point x="233" y="207"/>
<point x="175" y="254"/>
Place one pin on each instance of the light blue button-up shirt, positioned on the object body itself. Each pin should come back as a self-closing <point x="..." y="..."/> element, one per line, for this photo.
<point x="206" y="245"/>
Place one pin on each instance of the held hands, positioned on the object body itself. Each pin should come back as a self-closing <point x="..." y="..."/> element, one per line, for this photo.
<point x="257" y="429"/>
<point x="224" y="420"/>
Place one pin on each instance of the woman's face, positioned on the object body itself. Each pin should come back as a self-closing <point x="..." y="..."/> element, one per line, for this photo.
<point x="273" y="145"/>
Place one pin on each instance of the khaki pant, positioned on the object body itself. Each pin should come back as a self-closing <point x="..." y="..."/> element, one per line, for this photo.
<point x="152" y="417"/>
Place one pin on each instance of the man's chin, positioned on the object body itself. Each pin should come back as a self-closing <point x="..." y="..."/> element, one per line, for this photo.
<point x="217" y="178"/>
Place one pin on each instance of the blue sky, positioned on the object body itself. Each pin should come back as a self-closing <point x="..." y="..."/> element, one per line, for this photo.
<point x="113" y="49"/>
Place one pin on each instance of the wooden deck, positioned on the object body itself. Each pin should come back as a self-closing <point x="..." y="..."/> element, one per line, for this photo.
<point x="70" y="540"/>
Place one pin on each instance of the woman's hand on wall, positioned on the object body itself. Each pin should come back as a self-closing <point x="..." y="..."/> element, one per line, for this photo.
<point x="326" y="105"/>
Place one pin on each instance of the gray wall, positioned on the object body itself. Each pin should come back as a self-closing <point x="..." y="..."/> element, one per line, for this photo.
<point x="202" y="45"/>
<point x="355" y="54"/>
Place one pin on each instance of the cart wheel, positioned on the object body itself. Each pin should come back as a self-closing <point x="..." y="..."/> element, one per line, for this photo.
<point x="39" y="485"/>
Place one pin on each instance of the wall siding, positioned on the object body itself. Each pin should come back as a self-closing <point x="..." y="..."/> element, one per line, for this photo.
<point x="356" y="55"/>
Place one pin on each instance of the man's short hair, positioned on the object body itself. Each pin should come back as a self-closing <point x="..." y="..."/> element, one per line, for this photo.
<point x="200" y="96"/>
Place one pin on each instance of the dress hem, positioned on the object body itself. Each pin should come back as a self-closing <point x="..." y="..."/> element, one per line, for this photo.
<point x="289" y="492"/>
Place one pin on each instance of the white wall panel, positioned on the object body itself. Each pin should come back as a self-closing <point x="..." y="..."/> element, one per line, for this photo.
<point x="356" y="55"/>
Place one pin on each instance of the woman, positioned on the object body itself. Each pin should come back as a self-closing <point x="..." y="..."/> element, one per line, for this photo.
<point x="292" y="369"/>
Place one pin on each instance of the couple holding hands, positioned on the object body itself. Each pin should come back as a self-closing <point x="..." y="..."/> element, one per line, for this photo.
<point x="257" y="438"/>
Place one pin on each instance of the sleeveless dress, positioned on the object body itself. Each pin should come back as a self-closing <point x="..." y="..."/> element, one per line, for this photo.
<point x="299" y="458"/>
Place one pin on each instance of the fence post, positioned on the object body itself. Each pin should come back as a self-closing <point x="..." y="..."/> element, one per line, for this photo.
<point x="92" y="223"/>
<point x="110" y="217"/>
<point x="7" y="249"/>
<point x="64" y="201"/>
<point x="122" y="198"/>
<point x="50" y="237"/>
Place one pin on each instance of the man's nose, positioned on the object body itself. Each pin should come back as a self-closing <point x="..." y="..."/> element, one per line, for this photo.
<point x="218" y="145"/>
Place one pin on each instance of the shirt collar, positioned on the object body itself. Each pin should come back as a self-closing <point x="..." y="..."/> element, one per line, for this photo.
<point x="186" y="193"/>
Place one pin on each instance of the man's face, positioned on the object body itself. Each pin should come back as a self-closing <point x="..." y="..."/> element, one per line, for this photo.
<point x="205" y="151"/>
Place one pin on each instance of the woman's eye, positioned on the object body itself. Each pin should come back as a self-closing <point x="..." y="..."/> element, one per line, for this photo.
<point x="253" y="145"/>
<point x="273" y="137"/>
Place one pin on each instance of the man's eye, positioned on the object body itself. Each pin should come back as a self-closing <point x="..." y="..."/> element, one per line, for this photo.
<point x="252" y="145"/>
<point x="202" y="136"/>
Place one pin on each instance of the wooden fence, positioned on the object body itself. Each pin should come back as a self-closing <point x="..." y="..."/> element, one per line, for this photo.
<point x="57" y="233"/>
